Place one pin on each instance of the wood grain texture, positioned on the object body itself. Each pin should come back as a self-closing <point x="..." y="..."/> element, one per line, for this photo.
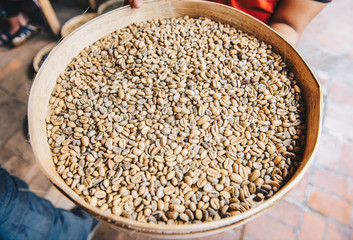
<point x="50" y="15"/>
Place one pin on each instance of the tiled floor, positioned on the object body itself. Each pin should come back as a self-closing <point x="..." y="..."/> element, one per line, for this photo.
<point x="320" y="206"/>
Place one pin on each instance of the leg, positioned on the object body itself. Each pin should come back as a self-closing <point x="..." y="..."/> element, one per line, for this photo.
<point x="20" y="29"/>
<point x="14" y="24"/>
<point x="24" y="215"/>
<point x="12" y="13"/>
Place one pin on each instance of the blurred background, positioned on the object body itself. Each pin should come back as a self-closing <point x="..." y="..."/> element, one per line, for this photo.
<point x="320" y="206"/>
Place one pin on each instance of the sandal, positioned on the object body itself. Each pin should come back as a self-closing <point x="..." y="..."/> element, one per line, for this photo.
<point x="25" y="33"/>
<point x="6" y="39"/>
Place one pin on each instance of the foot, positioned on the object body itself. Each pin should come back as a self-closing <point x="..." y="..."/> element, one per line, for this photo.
<point x="25" y="33"/>
<point x="6" y="39"/>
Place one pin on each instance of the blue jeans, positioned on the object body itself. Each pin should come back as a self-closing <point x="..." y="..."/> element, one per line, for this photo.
<point x="24" y="215"/>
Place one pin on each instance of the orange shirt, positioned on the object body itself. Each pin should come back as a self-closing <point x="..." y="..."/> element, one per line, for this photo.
<point x="260" y="9"/>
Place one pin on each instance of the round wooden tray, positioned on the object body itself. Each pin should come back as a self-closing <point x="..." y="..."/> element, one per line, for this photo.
<point x="102" y="25"/>
<point x="38" y="57"/>
<point x="109" y="6"/>
<point x="76" y="22"/>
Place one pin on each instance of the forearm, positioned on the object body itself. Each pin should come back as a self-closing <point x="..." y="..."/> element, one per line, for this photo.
<point x="292" y="17"/>
<point x="288" y="32"/>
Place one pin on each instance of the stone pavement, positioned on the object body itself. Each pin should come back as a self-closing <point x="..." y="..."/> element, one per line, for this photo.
<point x="320" y="206"/>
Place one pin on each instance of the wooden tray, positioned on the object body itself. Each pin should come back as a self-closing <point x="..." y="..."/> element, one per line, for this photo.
<point x="76" y="22"/>
<point x="109" y="6"/>
<point x="102" y="25"/>
<point x="38" y="57"/>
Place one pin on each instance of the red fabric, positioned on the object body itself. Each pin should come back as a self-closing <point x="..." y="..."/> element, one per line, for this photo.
<point x="260" y="9"/>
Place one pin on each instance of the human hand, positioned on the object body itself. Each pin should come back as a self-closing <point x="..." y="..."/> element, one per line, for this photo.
<point x="136" y="3"/>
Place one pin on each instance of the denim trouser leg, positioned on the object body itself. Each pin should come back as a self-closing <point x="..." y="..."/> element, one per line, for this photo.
<point x="24" y="215"/>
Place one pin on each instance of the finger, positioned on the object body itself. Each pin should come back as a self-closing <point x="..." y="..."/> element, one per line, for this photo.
<point x="136" y="3"/>
<point x="131" y="2"/>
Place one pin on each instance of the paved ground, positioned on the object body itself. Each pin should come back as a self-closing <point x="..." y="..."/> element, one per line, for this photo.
<point x="320" y="207"/>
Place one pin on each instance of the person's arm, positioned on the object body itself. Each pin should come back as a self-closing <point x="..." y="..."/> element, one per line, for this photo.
<point x="292" y="16"/>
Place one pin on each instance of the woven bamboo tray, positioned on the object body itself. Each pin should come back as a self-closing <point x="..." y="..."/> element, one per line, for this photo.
<point x="38" y="58"/>
<point x="76" y="22"/>
<point x="109" y="5"/>
<point x="102" y="25"/>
